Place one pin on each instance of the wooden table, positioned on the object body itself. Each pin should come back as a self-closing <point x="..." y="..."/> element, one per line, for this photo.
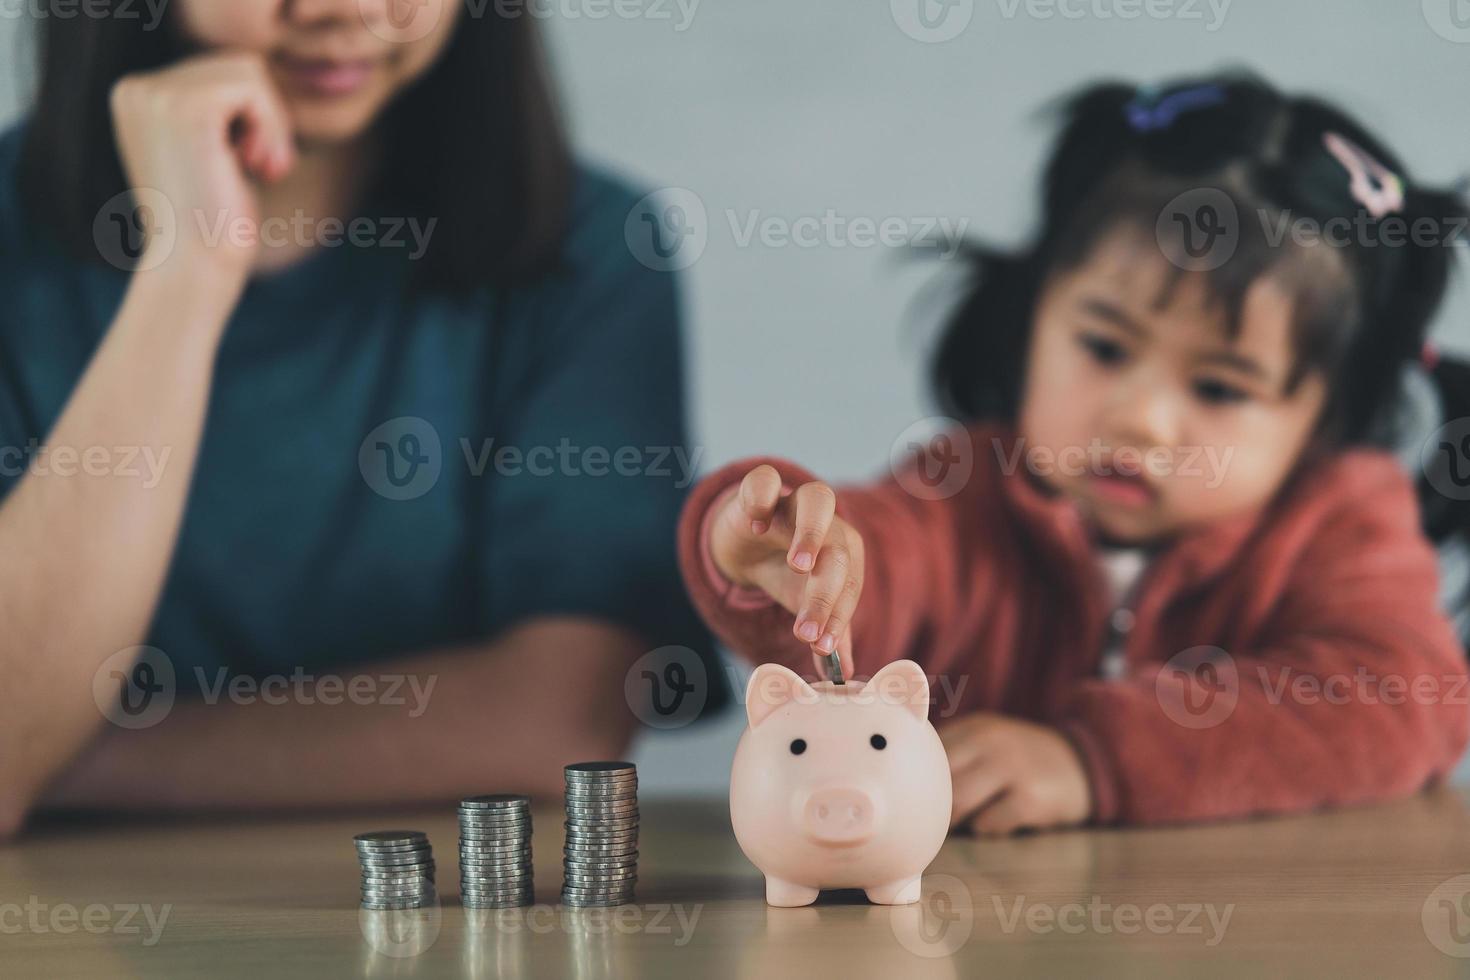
<point x="1371" y="892"/>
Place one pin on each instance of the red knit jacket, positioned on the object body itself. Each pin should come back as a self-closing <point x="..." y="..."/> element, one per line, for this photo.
<point x="1290" y="658"/>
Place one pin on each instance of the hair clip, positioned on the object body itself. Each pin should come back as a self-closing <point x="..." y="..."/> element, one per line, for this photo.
<point x="1147" y="112"/>
<point x="1372" y="184"/>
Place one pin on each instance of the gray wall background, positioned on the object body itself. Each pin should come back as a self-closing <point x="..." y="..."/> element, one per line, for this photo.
<point x="789" y="108"/>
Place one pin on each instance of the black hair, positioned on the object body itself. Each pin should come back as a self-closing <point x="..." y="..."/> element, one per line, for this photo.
<point x="1361" y="310"/>
<point x="476" y="143"/>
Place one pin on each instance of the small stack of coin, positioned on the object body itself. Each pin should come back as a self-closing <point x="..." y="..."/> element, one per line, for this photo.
<point x="600" y="859"/>
<point x="495" y="852"/>
<point x="397" y="869"/>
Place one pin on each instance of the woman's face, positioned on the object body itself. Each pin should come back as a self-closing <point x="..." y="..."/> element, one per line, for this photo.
<point x="337" y="63"/>
<point x="1149" y="415"/>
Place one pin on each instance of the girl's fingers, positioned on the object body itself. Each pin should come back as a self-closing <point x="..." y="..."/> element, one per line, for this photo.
<point x="824" y="587"/>
<point x="1004" y="815"/>
<point x="847" y="598"/>
<point x="975" y="789"/>
<point x="844" y="652"/>
<point x="814" y="504"/>
<point x="760" y="492"/>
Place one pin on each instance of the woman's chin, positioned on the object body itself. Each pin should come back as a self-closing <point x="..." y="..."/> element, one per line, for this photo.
<point x="325" y="126"/>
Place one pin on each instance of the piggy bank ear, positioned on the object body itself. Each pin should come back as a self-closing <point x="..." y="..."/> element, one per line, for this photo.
<point x="770" y="687"/>
<point x="903" y="683"/>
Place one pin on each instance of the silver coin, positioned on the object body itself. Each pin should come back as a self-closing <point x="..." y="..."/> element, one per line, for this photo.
<point x="495" y="801"/>
<point x="592" y="828"/>
<point x="584" y="902"/>
<point x="391" y="838"/>
<point x="600" y="840"/>
<point x="492" y="853"/>
<point x="507" y="823"/>
<point x="622" y="806"/>
<point x="372" y="867"/>
<point x="600" y="878"/>
<point x="596" y="894"/>
<point x="506" y="903"/>
<point x="498" y="844"/>
<point x="572" y="858"/>
<point x="495" y="857"/>
<point x="578" y="791"/>
<point x="599" y="872"/>
<point x="427" y="876"/>
<point x="507" y="828"/>
<point x="600" y="850"/>
<point x="395" y="860"/>
<point x="493" y="870"/>
<point x="601" y="767"/>
<point x="495" y="816"/>
<point x="493" y="893"/>
<point x="513" y="874"/>
<point x="377" y="905"/>
<point x="509" y="902"/>
<point x="398" y="857"/>
<point x="518" y="895"/>
<point x="394" y="895"/>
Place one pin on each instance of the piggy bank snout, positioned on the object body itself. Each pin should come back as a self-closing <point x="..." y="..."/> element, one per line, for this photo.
<point x="840" y="815"/>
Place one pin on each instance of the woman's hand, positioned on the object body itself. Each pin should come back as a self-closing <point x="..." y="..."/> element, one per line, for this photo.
<point x="793" y="547"/>
<point x="1012" y="775"/>
<point x="197" y="132"/>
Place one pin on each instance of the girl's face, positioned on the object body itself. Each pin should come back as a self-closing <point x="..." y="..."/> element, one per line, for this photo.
<point x="1147" y="414"/>
<point x="337" y="63"/>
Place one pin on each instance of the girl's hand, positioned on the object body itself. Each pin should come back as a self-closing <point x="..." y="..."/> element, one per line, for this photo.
<point x="1012" y="775"/>
<point x="197" y="132"/>
<point x="793" y="547"/>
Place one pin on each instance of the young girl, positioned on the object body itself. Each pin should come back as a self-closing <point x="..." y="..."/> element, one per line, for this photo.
<point x="1176" y="582"/>
<point x="329" y="267"/>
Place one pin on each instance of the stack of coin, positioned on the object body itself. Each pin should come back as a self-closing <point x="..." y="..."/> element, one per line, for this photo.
<point x="600" y="859"/>
<point x="397" y="869"/>
<point x="495" y="852"/>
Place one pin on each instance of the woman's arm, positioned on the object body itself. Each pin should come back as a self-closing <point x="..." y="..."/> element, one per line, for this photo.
<point x="505" y="716"/>
<point x="85" y="556"/>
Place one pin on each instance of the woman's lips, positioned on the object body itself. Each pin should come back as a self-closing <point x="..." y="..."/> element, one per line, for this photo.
<point x="324" y="77"/>
<point x="1128" y="491"/>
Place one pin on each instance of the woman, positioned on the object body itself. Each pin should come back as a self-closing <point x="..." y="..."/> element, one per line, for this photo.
<point x="260" y="385"/>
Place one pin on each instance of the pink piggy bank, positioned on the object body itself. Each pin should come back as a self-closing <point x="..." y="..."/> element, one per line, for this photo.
<point x="840" y="786"/>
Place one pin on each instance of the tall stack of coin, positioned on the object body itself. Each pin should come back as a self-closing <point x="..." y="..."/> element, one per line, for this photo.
<point x="600" y="859"/>
<point x="397" y="869"/>
<point x="495" y="851"/>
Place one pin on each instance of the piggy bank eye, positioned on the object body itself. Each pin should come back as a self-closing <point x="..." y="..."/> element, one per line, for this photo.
<point x="798" y="746"/>
<point x="878" y="742"/>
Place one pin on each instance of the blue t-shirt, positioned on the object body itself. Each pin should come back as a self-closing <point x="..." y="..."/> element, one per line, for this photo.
<point x="386" y="470"/>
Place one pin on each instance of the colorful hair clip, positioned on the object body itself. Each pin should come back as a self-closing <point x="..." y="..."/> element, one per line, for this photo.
<point x="1372" y="184"/>
<point x="1147" y="112"/>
